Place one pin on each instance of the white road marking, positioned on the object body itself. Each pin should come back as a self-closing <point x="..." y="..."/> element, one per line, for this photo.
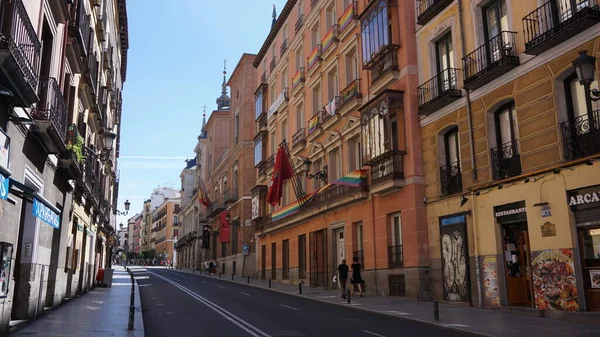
<point x="372" y="333"/>
<point x="243" y="293"/>
<point x="287" y="306"/>
<point x="351" y="303"/>
<point x="326" y="296"/>
<point x="398" y="312"/>
<point x="221" y="287"/>
<point x="249" y="328"/>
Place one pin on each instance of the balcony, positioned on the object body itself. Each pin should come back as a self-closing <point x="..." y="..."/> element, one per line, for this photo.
<point x="314" y="58"/>
<point x="272" y="64"/>
<point x="348" y="17"/>
<point x="284" y="46"/>
<point x="506" y="161"/>
<point x="299" y="138"/>
<point x="328" y="117"/>
<point x="19" y="53"/>
<point x="395" y="257"/>
<point x="50" y="117"/>
<point x="450" y="179"/>
<point x="69" y="162"/>
<point x="298" y="79"/>
<point x="490" y="61"/>
<point x="215" y="207"/>
<point x="556" y="22"/>
<point x="581" y="137"/>
<point x="299" y="23"/>
<point x="350" y="94"/>
<point x="230" y="195"/>
<point x="90" y="76"/>
<point x="271" y="161"/>
<point x="438" y="92"/>
<point x="263" y="78"/>
<point x="87" y="183"/>
<point x="384" y="68"/>
<point x="262" y="121"/>
<point x="80" y="29"/>
<point x="428" y="9"/>
<point x="329" y="40"/>
<point x="387" y="172"/>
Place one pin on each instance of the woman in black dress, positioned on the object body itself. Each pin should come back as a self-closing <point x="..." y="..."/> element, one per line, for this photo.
<point x="356" y="278"/>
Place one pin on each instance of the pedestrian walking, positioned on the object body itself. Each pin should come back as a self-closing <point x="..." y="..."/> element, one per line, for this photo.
<point x="342" y="276"/>
<point x="356" y="278"/>
<point x="210" y="267"/>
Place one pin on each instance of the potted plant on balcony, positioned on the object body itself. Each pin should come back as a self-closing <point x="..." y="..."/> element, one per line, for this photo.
<point x="76" y="147"/>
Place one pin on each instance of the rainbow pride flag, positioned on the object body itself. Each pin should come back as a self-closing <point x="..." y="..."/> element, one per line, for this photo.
<point x="353" y="179"/>
<point x="297" y="79"/>
<point x="314" y="57"/>
<point x="313" y="123"/>
<point x="328" y="39"/>
<point x="347" y="17"/>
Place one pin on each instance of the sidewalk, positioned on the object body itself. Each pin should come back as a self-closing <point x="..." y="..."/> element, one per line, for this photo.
<point x="481" y="322"/>
<point x="101" y="312"/>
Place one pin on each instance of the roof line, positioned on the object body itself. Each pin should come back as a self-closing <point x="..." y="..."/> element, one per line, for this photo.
<point x="287" y="9"/>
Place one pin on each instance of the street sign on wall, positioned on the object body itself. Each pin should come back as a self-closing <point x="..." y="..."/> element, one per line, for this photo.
<point x="245" y="249"/>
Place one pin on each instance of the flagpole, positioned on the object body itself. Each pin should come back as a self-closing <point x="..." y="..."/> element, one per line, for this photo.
<point x="296" y="184"/>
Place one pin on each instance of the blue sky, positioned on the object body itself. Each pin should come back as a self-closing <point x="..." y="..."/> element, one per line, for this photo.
<point x="175" y="64"/>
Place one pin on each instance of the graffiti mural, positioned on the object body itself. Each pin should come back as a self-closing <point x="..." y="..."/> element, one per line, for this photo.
<point x="454" y="264"/>
<point x="554" y="286"/>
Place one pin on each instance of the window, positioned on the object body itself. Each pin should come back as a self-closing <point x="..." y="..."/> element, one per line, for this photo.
<point x="316" y="166"/>
<point x="225" y="184"/>
<point x="300" y="7"/>
<point x="359" y="236"/>
<point x="285" y="193"/>
<point x="258" y="151"/>
<point x="375" y="33"/>
<point x="495" y="20"/>
<point x="272" y="94"/>
<point x="302" y="256"/>
<point x="284" y="79"/>
<point x="396" y="229"/>
<point x="334" y="168"/>
<point x="351" y="66"/>
<point x="450" y="174"/>
<point x="284" y="32"/>
<point x="506" y="125"/>
<point x="285" y="270"/>
<point x="332" y="84"/>
<point x="374" y="132"/>
<point x="258" y="104"/>
<point x="330" y="17"/>
<point x="299" y="117"/>
<point x="236" y="128"/>
<point x="235" y="178"/>
<point x="234" y="239"/>
<point x="273" y="138"/>
<point x="315" y="37"/>
<point x="209" y="163"/>
<point x="575" y="97"/>
<point x="445" y="61"/>
<point x="299" y="58"/>
<point x="354" y="154"/>
<point x="175" y="220"/>
<point x="452" y="148"/>
<point x="316" y="99"/>
<point x="284" y="130"/>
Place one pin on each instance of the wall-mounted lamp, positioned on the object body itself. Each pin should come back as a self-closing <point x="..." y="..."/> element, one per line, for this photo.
<point x="109" y="139"/>
<point x="321" y="175"/>
<point x="585" y="67"/>
<point x="127" y="204"/>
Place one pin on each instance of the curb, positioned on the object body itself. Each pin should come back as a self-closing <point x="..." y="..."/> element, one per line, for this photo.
<point x="295" y="294"/>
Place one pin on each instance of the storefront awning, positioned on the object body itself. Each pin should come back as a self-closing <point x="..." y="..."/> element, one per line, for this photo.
<point x="42" y="208"/>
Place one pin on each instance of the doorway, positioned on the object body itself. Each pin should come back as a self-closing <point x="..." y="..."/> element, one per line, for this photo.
<point x="263" y="262"/>
<point x="339" y="244"/>
<point x="318" y="258"/>
<point x="517" y="264"/>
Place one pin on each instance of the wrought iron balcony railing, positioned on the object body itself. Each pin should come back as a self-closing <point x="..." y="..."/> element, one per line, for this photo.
<point x="395" y="257"/>
<point x="330" y="38"/>
<point x="19" y="40"/>
<point x="271" y="161"/>
<point x="262" y="120"/>
<point x="581" y="136"/>
<point x="81" y="29"/>
<point x="298" y="78"/>
<point x="386" y="61"/>
<point x="314" y="58"/>
<point x="326" y="115"/>
<point x="299" y="138"/>
<point x="450" y="179"/>
<point x="557" y="21"/>
<point x="428" y="9"/>
<point x="491" y="60"/>
<point x="388" y="166"/>
<point x="438" y="91"/>
<point x="284" y="46"/>
<point x="230" y="195"/>
<point x="273" y="63"/>
<point x="52" y="106"/>
<point x="350" y="92"/>
<point x="350" y="14"/>
<point x="263" y="77"/>
<point x="506" y="161"/>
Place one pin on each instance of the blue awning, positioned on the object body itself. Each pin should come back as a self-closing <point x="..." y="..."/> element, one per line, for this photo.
<point x="42" y="208"/>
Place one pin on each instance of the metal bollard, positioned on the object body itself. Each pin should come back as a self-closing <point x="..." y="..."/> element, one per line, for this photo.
<point x="300" y="288"/>
<point x="131" y="317"/>
<point x="219" y="275"/>
<point x="132" y="298"/>
<point x="248" y="279"/>
<point x="436" y="311"/>
<point x="269" y="283"/>
<point x="348" y="296"/>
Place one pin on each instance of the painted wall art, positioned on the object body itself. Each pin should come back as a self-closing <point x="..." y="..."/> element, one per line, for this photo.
<point x="554" y="284"/>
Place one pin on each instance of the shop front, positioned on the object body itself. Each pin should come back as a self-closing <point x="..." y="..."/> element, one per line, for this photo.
<point x="585" y="205"/>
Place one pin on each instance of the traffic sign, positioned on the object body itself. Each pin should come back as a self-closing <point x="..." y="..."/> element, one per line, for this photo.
<point x="245" y="249"/>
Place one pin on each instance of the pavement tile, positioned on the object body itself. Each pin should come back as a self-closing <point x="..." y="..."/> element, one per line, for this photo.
<point x="101" y="312"/>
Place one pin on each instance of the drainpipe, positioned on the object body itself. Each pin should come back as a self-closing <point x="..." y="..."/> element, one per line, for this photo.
<point x="473" y="167"/>
<point x="467" y="94"/>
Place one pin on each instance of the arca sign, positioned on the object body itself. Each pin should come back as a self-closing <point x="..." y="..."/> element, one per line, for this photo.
<point x="586" y="198"/>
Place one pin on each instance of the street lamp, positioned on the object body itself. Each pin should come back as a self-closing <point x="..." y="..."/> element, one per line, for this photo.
<point x="109" y="139"/>
<point x="322" y="175"/>
<point x="127" y="204"/>
<point x="585" y="67"/>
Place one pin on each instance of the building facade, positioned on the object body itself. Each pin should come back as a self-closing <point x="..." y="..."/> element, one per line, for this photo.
<point x="62" y="68"/>
<point x="166" y="229"/>
<point x="338" y="84"/>
<point x="510" y="148"/>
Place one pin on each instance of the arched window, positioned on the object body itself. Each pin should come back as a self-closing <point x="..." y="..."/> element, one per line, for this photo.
<point x="450" y="173"/>
<point x="506" y="161"/>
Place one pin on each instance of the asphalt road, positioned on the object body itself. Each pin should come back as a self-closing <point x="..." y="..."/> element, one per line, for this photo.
<point x="177" y="304"/>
